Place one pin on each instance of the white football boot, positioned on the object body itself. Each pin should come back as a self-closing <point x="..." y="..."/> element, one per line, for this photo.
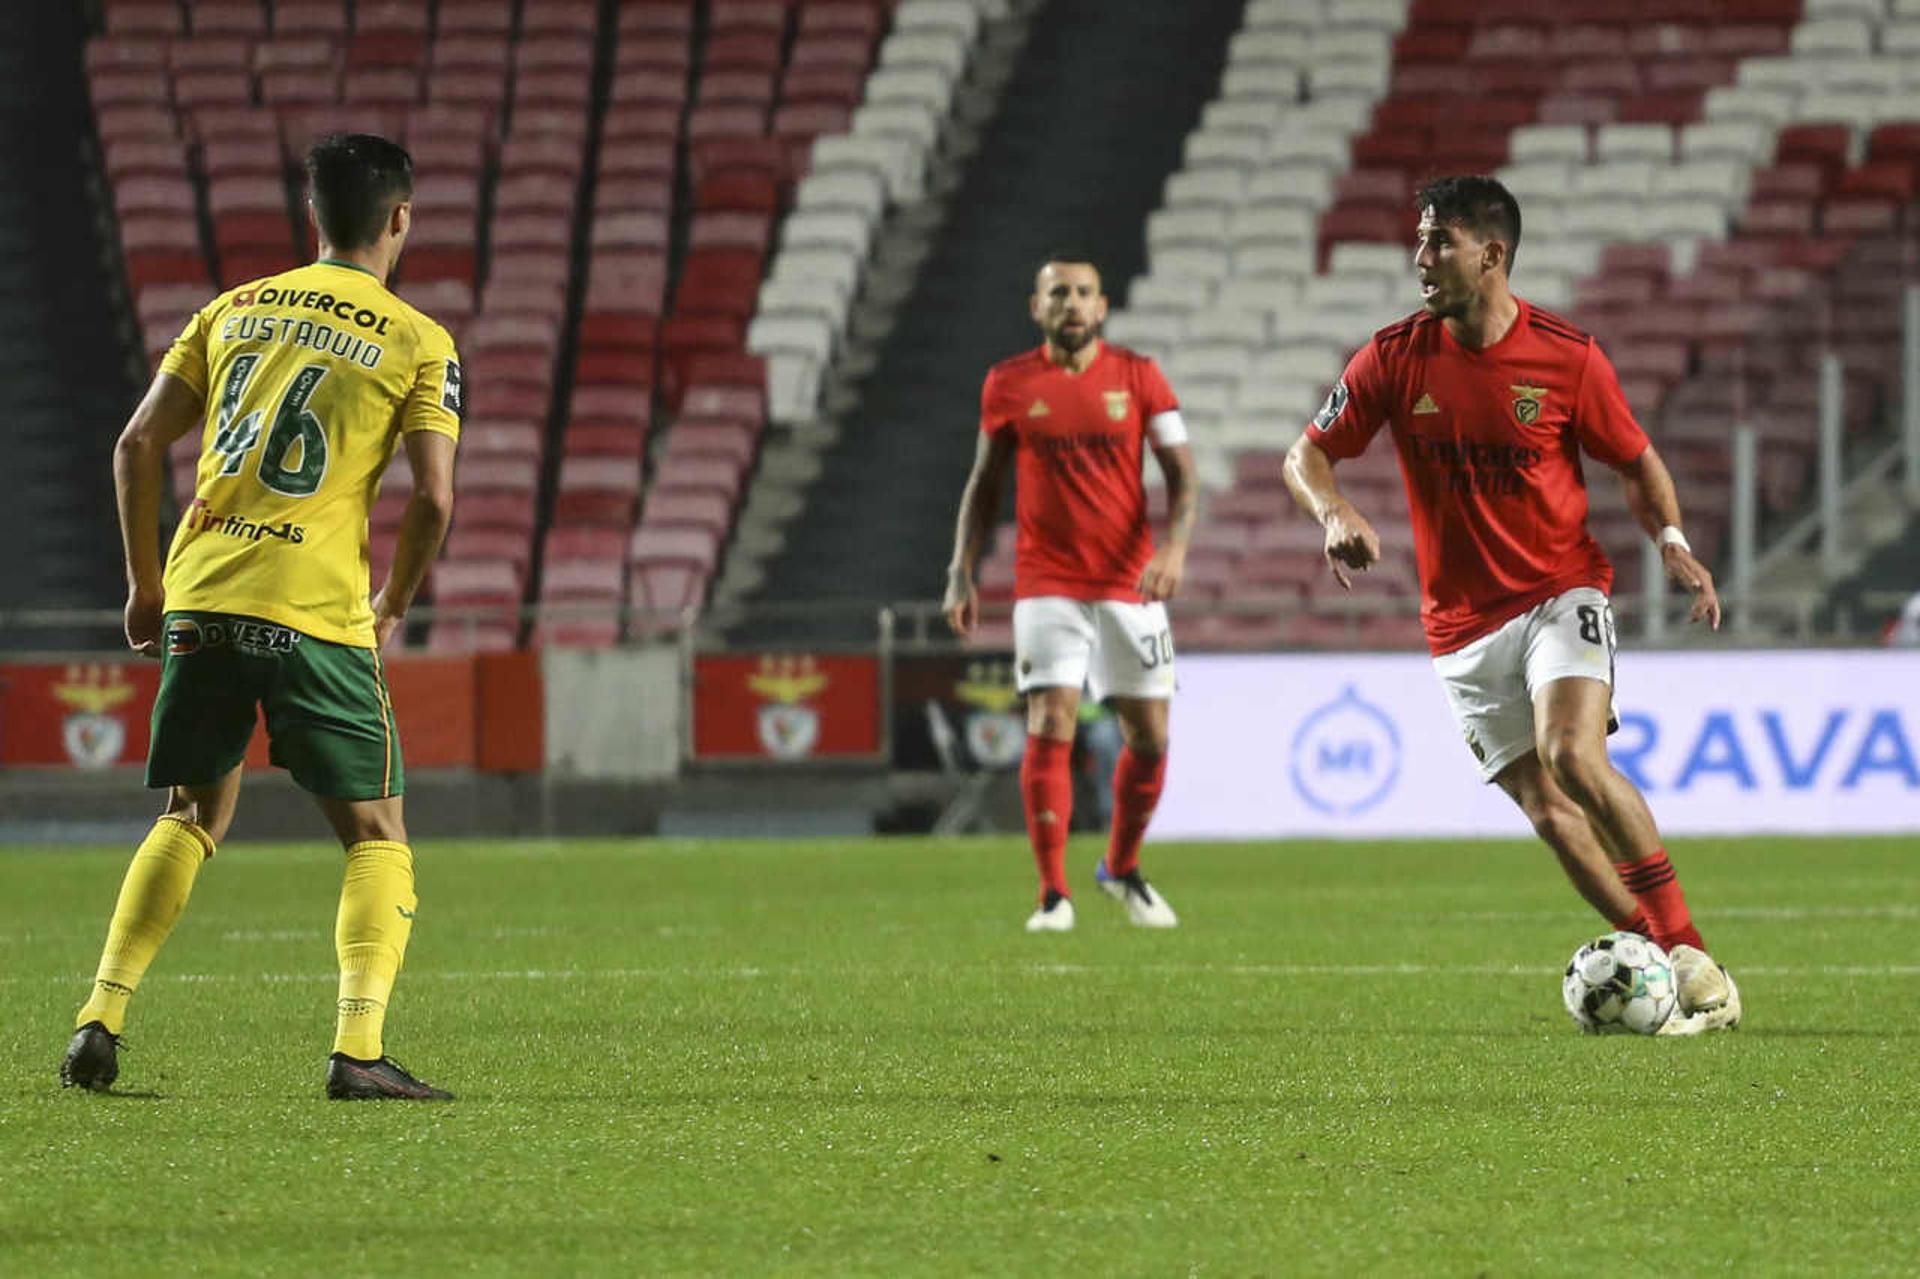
<point x="1145" y="907"/>
<point x="1056" y="918"/>
<point x="1707" y="998"/>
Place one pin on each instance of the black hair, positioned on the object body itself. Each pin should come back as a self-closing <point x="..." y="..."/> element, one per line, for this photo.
<point x="1480" y="204"/>
<point x="1075" y="256"/>
<point x="354" y="180"/>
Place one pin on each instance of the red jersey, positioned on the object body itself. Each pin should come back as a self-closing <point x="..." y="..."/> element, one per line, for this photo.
<point x="1081" y="440"/>
<point x="1489" y="444"/>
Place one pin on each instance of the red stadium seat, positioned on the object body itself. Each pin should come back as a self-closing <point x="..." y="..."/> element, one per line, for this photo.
<point x="753" y="88"/>
<point x="640" y="229"/>
<point x="728" y="229"/>
<point x="742" y="51"/>
<point x="475" y="17"/>
<point x="804" y="121"/>
<point x="590" y="542"/>
<point x="742" y="192"/>
<point x="729" y="16"/>
<point x="386" y="50"/>
<point x="125" y="52"/>
<point x="640" y="122"/>
<point x="611" y="406"/>
<point x="560" y="18"/>
<point x="830" y="86"/>
<point x="554" y="53"/>
<point x="841" y="18"/>
<point x="597" y="490"/>
<point x="402" y="16"/>
<point x="755" y="155"/>
<point x="655" y="18"/>
<point x="727" y="120"/>
<point x="146" y="157"/>
<point x="387" y="87"/>
<point x="210" y="53"/>
<point x="559" y="156"/>
<point x="648" y="158"/>
<point x="533" y="193"/>
<point x="569" y="89"/>
<point x="687" y="509"/>
<point x="624" y="194"/>
<point x="847" y="52"/>
<point x="216" y="89"/>
<point x="309" y="18"/>
<point x="148" y="18"/>
<point x="598" y="366"/>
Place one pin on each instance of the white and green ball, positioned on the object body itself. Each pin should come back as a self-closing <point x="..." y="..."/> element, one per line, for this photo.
<point x="1619" y="984"/>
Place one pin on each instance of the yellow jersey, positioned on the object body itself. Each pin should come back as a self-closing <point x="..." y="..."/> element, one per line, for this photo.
<point x="310" y="378"/>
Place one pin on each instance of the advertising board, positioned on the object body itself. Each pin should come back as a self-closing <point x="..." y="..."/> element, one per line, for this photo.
<point x="1363" y="745"/>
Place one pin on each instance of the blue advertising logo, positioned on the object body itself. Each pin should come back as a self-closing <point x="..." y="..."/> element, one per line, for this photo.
<point x="1346" y="756"/>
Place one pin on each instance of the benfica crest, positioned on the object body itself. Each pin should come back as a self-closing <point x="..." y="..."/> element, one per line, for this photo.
<point x="93" y="737"/>
<point x="996" y="734"/>
<point x="1117" y="405"/>
<point x="789" y="729"/>
<point x="1526" y="403"/>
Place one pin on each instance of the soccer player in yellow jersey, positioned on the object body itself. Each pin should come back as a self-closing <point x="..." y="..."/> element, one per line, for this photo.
<point x="304" y="385"/>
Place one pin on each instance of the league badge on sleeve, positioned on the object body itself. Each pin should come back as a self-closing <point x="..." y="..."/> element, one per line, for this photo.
<point x="453" y="396"/>
<point x="1336" y="405"/>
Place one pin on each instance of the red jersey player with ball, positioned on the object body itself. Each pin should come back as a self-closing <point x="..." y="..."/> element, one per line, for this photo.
<point x="1074" y="418"/>
<point x="1490" y="402"/>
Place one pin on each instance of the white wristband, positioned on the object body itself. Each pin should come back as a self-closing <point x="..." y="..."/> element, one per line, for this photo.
<point x="1672" y="536"/>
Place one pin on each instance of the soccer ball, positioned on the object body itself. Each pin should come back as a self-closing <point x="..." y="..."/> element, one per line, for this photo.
<point x="1619" y="984"/>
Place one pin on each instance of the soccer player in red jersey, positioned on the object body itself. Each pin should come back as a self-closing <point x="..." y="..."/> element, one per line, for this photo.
<point x="1490" y="402"/>
<point x="1073" y="418"/>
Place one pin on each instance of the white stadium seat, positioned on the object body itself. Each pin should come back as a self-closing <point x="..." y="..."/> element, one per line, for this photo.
<point x="1564" y="142"/>
<point x="1307" y="185"/>
<point x="1216" y="188"/>
<point x="1769" y="106"/>
<point x="1622" y="177"/>
<point x="1273" y="224"/>
<point x="1743" y="141"/>
<point x="1633" y="142"/>
<point x="854" y="191"/>
<point x="1720" y="180"/>
<point x="1174" y="228"/>
<point x="1225" y="325"/>
<point x="1833" y="36"/>
<point x="1230" y="150"/>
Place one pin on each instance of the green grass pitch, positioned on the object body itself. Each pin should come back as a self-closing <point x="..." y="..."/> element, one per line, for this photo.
<point x="847" y="1058"/>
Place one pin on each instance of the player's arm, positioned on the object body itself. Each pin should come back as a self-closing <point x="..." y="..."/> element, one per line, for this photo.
<point x="170" y="408"/>
<point x="423" y="527"/>
<point x="979" y="508"/>
<point x="1161" y="578"/>
<point x="1655" y="504"/>
<point x="1351" y="541"/>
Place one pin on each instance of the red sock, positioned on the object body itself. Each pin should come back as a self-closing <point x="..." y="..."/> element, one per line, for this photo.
<point x="1137" y="780"/>
<point x="1634" y="923"/>
<point x="1656" y="887"/>
<point x="1046" y="784"/>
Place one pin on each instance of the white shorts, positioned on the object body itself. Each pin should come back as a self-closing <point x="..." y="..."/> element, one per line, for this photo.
<point x="1491" y="682"/>
<point x="1115" y="648"/>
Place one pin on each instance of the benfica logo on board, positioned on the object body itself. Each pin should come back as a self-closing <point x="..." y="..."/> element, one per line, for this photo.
<point x="789" y="729"/>
<point x="93" y="735"/>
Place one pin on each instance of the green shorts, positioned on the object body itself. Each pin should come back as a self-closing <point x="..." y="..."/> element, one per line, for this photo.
<point x="329" y="718"/>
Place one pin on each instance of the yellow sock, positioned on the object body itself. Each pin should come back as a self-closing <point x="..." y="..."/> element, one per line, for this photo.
<point x="370" y="936"/>
<point x="152" y="896"/>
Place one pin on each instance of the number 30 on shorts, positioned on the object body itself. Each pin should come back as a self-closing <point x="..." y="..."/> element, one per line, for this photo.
<point x="1156" y="650"/>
